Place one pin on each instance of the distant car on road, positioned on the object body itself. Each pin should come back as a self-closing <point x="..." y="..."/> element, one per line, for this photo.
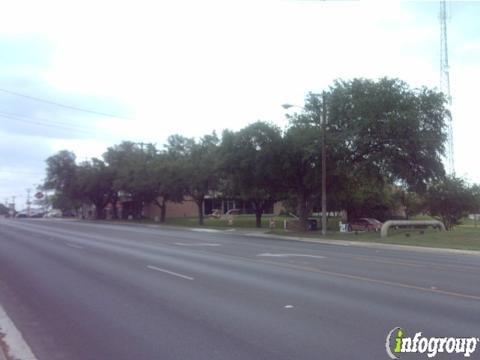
<point x="53" y="213"/>
<point x="365" y="224"/>
<point x="37" y="215"/>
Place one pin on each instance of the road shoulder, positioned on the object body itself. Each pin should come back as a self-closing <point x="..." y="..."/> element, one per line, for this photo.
<point x="263" y="234"/>
<point x="12" y="340"/>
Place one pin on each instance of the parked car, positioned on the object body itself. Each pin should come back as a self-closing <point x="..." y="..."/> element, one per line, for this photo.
<point x="365" y="224"/>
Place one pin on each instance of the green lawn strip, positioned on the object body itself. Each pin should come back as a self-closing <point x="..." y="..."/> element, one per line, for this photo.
<point x="464" y="237"/>
<point x="239" y="221"/>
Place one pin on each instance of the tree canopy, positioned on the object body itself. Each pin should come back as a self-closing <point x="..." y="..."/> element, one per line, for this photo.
<point x="384" y="145"/>
<point x="201" y="169"/>
<point x="251" y="161"/>
<point x="452" y="199"/>
<point x="3" y="210"/>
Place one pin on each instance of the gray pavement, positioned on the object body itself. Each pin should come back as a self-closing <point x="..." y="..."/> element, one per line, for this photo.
<point x="80" y="290"/>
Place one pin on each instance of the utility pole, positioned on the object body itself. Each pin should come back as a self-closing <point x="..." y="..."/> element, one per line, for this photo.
<point x="324" y="167"/>
<point x="322" y="116"/>
<point x="28" y="202"/>
<point x="142" y="144"/>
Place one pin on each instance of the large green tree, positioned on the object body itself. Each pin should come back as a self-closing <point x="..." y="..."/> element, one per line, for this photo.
<point x="452" y="199"/>
<point x="169" y="183"/>
<point x="251" y="164"/>
<point x="61" y="172"/>
<point x="199" y="166"/>
<point x="378" y="134"/>
<point x="301" y="165"/>
<point x="134" y="170"/>
<point x="150" y="176"/>
<point x="95" y="184"/>
<point x="388" y="129"/>
<point x="62" y="178"/>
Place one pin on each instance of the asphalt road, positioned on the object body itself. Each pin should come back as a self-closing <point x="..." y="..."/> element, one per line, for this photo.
<point x="79" y="291"/>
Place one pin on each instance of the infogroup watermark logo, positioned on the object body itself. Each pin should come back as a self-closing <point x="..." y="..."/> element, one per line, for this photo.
<point x="397" y="343"/>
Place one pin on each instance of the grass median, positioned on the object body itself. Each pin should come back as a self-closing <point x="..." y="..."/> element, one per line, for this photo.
<point x="239" y="221"/>
<point x="462" y="237"/>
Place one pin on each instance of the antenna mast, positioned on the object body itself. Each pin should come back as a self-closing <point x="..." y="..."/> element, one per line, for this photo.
<point x="445" y="82"/>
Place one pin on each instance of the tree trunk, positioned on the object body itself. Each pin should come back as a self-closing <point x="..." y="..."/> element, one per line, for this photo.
<point x="258" y="218"/>
<point x="303" y="211"/>
<point x="258" y="214"/>
<point x="163" y="208"/>
<point x="99" y="212"/>
<point x="163" y="211"/>
<point x="137" y="210"/>
<point x="114" y="210"/>
<point x="114" y="206"/>
<point x="199" y="202"/>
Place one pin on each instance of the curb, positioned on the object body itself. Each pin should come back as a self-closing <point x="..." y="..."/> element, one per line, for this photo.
<point x="13" y="339"/>
<point x="3" y="355"/>
<point x="371" y="245"/>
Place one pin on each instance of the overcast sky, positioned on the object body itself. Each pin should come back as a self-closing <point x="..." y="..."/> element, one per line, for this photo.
<point x="192" y="67"/>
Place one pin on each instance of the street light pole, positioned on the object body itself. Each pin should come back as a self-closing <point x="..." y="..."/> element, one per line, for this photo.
<point x="324" y="167"/>
<point x="323" y="123"/>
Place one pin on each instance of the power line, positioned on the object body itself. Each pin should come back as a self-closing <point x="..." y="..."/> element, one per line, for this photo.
<point x="43" y="120"/>
<point x="63" y="105"/>
<point x="16" y="172"/>
<point x="56" y="126"/>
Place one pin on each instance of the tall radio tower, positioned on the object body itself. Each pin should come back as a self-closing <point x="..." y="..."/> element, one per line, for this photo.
<point x="445" y="82"/>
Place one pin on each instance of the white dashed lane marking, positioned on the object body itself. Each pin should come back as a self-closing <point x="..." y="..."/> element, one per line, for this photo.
<point x="291" y="255"/>
<point x="151" y="267"/>
<point x="197" y="244"/>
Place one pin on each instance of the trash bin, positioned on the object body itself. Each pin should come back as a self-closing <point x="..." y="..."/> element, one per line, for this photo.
<point x="311" y="224"/>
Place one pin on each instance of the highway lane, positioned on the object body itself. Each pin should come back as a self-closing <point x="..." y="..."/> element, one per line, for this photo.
<point x="80" y="290"/>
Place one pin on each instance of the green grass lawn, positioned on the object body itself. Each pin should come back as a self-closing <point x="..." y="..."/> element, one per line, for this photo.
<point x="239" y="221"/>
<point x="245" y="221"/>
<point x="463" y="237"/>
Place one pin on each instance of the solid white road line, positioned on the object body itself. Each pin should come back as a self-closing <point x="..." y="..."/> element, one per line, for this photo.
<point x="292" y="255"/>
<point x="17" y="347"/>
<point x="151" y="267"/>
<point x="197" y="244"/>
